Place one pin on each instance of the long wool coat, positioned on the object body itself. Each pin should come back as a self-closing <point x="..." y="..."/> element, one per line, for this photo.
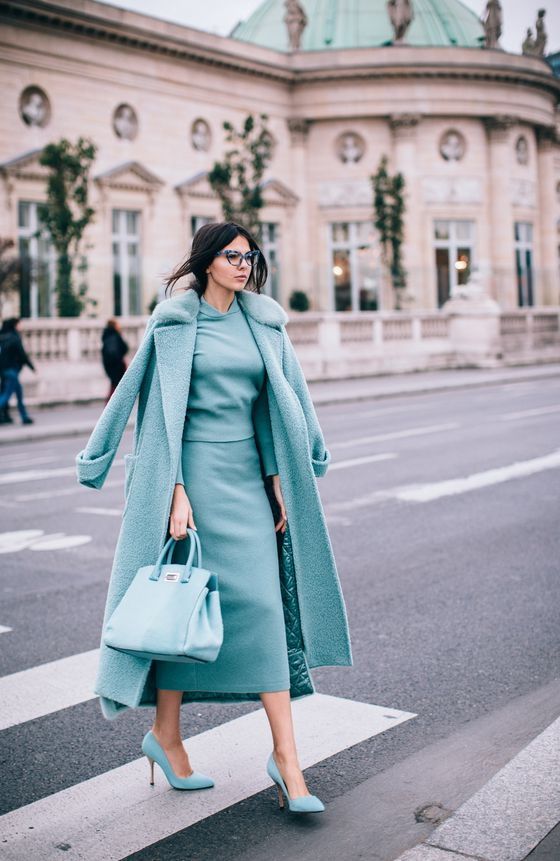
<point x="159" y="375"/>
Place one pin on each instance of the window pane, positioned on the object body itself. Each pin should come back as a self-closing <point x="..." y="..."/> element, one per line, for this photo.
<point x="24" y="214"/>
<point x="340" y="232"/>
<point x="441" y="229"/>
<point x="367" y="279"/>
<point x="116" y="213"/>
<point x="463" y="265"/>
<point x="463" y="230"/>
<point x="132" y="223"/>
<point x="342" y="285"/>
<point x="442" y="271"/>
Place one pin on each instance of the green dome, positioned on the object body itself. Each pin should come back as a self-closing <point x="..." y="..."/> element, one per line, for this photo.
<point x="362" y="24"/>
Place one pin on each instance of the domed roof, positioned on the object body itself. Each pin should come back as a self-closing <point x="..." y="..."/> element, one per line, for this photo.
<point x="362" y="24"/>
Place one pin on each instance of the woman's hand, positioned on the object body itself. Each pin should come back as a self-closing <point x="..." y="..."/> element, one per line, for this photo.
<point x="281" y="525"/>
<point x="181" y="514"/>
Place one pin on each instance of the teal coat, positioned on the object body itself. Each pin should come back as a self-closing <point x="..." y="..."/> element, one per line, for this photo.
<point x="159" y="375"/>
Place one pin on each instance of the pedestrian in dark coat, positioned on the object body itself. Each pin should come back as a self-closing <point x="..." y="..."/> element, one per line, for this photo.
<point x="13" y="357"/>
<point x="113" y="350"/>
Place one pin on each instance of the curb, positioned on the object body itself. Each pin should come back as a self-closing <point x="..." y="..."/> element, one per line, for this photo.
<point x="324" y="400"/>
<point x="509" y="816"/>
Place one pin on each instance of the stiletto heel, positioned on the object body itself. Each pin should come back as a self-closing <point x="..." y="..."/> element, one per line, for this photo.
<point x="154" y="751"/>
<point x="300" y="804"/>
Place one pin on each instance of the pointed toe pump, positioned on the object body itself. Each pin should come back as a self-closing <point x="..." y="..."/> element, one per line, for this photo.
<point x="300" y="804"/>
<point x="155" y="753"/>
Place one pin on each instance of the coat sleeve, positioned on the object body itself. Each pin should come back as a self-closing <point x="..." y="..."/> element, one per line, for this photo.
<point x="263" y="432"/>
<point x="320" y="455"/>
<point x="94" y="461"/>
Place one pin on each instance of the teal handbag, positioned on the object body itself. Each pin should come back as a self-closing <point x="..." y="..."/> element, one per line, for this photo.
<point x="170" y="611"/>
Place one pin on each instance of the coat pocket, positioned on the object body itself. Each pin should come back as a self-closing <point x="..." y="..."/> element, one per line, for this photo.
<point x="130" y="461"/>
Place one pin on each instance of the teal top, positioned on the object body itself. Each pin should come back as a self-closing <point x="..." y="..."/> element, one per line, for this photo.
<point x="227" y="394"/>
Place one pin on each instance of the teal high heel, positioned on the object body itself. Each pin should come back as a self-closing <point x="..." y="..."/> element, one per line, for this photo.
<point x="300" y="804"/>
<point x="154" y="751"/>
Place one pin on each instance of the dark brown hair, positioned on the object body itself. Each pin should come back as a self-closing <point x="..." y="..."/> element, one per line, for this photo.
<point x="207" y="240"/>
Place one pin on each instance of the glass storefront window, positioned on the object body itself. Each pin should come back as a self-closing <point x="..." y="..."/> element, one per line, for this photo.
<point x="523" y="234"/>
<point x="355" y="266"/>
<point x="38" y="264"/>
<point x="453" y="254"/>
<point x="270" y="244"/>
<point x="126" y="262"/>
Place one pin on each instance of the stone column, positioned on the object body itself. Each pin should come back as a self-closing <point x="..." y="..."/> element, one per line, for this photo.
<point x="503" y="286"/>
<point x="548" y="284"/>
<point x="405" y="159"/>
<point x="300" y="276"/>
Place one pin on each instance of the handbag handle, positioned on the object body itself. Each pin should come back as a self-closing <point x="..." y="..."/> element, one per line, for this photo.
<point x="168" y="549"/>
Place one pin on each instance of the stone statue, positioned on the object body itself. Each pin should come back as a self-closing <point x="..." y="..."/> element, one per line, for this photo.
<point x="296" y="21"/>
<point x="351" y="148"/>
<point x="492" y="23"/>
<point x="34" y="107"/>
<point x="401" y="14"/>
<point x="452" y="146"/>
<point x="528" y="46"/>
<point x="540" y="37"/>
<point x="125" y="122"/>
<point x="534" y="47"/>
<point x="200" y="135"/>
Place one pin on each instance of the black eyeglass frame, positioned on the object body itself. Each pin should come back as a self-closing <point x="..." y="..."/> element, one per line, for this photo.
<point x="250" y="257"/>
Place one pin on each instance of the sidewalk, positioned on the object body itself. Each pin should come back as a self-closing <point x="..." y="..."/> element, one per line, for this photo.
<point x="78" y="419"/>
<point x="514" y="817"/>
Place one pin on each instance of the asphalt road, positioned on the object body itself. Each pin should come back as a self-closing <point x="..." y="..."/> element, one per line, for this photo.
<point x="443" y="513"/>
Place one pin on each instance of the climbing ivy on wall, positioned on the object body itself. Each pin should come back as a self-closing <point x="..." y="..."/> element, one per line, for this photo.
<point x="236" y="179"/>
<point x="66" y="214"/>
<point x="388" y="203"/>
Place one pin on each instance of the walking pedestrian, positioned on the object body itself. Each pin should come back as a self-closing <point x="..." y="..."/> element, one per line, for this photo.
<point x="113" y="350"/>
<point x="13" y="357"/>
<point x="226" y="435"/>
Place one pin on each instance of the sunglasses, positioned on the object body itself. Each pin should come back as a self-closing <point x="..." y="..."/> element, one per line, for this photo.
<point x="235" y="257"/>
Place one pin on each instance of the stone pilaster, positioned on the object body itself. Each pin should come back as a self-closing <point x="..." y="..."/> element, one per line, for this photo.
<point x="301" y="275"/>
<point x="502" y="274"/>
<point x="404" y="129"/>
<point x="548" y="285"/>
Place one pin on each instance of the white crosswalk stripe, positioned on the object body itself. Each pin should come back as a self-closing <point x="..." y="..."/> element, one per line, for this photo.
<point x="47" y="688"/>
<point x="117" y="813"/>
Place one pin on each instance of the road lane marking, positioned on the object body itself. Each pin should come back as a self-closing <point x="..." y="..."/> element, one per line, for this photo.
<point x="43" y="474"/>
<point x="453" y="486"/>
<point x="110" y="816"/>
<point x="402" y="434"/>
<point x="48" y="688"/>
<point x="61" y="491"/>
<point x="536" y="411"/>
<point x="356" y="461"/>
<point x="109" y="512"/>
<point x="434" y="490"/>
<point x="4" y="629"/>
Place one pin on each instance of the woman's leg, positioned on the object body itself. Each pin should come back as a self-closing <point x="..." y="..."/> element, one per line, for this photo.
<point x="167" y="731"/>
<point x="278" y="707"/>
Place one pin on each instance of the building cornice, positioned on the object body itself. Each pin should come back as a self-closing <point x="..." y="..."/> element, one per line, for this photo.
<point x="92" y="20"/>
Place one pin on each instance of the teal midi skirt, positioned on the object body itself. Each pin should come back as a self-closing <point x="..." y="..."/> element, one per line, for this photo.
<point x="235" y="524"/>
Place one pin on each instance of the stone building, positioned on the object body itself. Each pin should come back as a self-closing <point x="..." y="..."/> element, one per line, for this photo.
<point x="473" y="129"/>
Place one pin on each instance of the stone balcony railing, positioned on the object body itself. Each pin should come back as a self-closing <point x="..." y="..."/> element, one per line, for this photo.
<point x="330" y="345"/>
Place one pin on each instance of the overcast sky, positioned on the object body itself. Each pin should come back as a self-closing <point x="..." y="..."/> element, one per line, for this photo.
<point x="219" y="16"/>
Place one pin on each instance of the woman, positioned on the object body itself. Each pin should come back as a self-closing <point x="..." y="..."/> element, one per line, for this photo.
<point x="229" y="398"/>
<point x="113" y="350"/>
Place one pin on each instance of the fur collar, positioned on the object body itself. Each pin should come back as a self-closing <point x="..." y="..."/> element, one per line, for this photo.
<point x="184" y="306"/>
